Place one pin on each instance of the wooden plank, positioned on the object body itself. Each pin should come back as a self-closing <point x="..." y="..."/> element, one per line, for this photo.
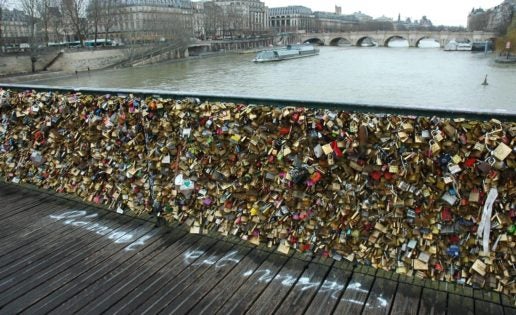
<point x="509" y="310"/>
<point x="167" y="274"/>
<point x="406" y="300"/>
<point x="381" y="297"/>
<point x="19" y="208"/>
<point x="29" y="214"/>
<point x="355" y="295"/>
<point x="7" y="189"/>
<point x="433" y="302"/>
<point x="30" y="249"/>
<point x="30" y="223"/>
<point x="154" y="304"/>
<point x="460" y="305"/>
<point x="303" y="292"/>
<point x="280" y="286"/>
<point x="10" y="204"/>
<point x="507" y="300"/>
<point x="133" y="280"/>
<point x="13" y="195"/>
<point x="257" y="282"/>
<point x="107" y="274"/>
<point x="330" y="292"/>
<point x="108" y="251"/>
<point x="83" y="268"/>
<point x="189" y="297"/>
<point x="487" y="308"/>
<point x="43" y="270"/>
<point x="74" y="284"/>
<point x="231" y="283"/>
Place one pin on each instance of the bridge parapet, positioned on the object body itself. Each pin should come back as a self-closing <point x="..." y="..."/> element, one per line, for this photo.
<point x="382" y="37"/>
<point x="314" y="179"/>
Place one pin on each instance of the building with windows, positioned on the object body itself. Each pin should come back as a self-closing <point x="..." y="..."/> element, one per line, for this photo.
<point x="291" y="19"/>
<point x="243" y="16"/>
<point x="333" y="22"/>
<point x="139" y="21"/>
<point x="302" y="19"/>
<point x="14" y="29"/>
<point x="495" y="19"/>
<point x="361" y="17"/>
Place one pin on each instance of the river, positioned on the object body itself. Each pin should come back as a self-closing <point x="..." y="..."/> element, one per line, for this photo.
<point x="412" y="77"/>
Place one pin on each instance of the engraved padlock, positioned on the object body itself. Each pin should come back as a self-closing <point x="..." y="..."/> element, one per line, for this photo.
<point x="502" y="151"/>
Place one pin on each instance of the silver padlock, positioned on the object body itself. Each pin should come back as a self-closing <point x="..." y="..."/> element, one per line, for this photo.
<point x="454" y="168"/>
<point x="451" y="200"/>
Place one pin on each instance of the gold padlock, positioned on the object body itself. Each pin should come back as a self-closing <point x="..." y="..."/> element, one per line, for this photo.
<point x="437" y="135"/>
<point x="434" y="146"/>
<point x="502" y="151"/>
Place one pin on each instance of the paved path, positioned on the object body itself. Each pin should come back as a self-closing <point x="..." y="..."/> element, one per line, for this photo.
<point x="61" y="256"/>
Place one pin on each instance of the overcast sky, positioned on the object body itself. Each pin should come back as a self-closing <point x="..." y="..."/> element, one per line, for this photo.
<point x="446" y="12"/>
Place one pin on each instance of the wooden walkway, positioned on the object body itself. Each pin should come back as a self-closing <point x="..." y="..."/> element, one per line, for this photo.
<point x="61" y="256"/>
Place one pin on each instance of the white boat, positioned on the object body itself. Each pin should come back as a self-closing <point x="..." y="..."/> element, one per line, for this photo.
<point x="289" y="52"/>
<point x="464" y="46"/>
<point x="458" y="46"/>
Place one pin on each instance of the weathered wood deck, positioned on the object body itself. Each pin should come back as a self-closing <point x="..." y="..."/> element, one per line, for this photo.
<point x="60" y="256"/>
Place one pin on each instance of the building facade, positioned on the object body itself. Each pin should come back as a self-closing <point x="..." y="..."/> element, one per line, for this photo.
<point x="14" y="29"/>
<point x="140" y="21"/>
<point x="243" y="16"/>
<point x="493" y="20"/>
<point x="326" y="22"/>
<point x="291" y="19"/>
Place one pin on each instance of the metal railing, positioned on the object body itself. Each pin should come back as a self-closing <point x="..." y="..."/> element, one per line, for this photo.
<point x="281" y="102"/>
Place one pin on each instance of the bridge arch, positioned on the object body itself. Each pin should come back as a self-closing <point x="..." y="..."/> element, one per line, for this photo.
<point x="340" y="41"/>
<point x="314" y="41"/>
<point x="426" y="37"/>
<point x="363" y="39"/>
<point x="386" y="43"/>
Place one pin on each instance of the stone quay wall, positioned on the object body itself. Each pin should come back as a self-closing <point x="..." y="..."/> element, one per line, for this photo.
<point x="429" y="197"/>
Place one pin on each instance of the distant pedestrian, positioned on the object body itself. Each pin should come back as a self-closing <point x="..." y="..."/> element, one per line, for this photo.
<point x="76" y="74"/>
<point x="88" y="69"/>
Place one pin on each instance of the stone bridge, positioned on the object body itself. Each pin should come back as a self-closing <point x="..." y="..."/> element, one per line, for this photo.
<point x="382" y="38"/>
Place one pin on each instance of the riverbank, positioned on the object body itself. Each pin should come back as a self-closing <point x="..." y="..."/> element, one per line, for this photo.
<point x="94" y="65"/>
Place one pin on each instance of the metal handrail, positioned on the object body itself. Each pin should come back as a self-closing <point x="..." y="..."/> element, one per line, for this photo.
<point x="279" y="102"/>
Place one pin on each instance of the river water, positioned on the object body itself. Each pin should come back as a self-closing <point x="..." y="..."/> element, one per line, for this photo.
<point x="412" y="77"/>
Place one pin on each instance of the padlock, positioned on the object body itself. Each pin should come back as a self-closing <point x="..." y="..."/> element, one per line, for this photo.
<point x="434" y="146"/>
<point x="486" y="166"/>
<point x="502" y="151"/>
<point x="474" y="196"/>
<point x="479" y="267"/>
<point x="437" y="135"/>
<point x="454" y="168"/>
<point x="331" y="161"/>
<point x="450" y="199"/>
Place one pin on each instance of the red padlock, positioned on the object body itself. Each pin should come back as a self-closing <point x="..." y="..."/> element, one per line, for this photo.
<point x="284" y="131"/>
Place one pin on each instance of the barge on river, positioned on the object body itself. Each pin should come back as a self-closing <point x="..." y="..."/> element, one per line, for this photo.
<point x="286" y="53"/>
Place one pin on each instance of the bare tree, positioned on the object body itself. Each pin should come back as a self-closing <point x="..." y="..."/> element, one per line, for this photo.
<point x="214" y="16"/>
<point x="30" y="8"/>
<point x="111" y="11"/>
<point x="95" y="17"/>
<point x="43" y="12"/>
<point x="74" y="11"/>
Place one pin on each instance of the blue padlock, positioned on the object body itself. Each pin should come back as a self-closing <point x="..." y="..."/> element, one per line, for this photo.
<point x="453" y="251"/>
